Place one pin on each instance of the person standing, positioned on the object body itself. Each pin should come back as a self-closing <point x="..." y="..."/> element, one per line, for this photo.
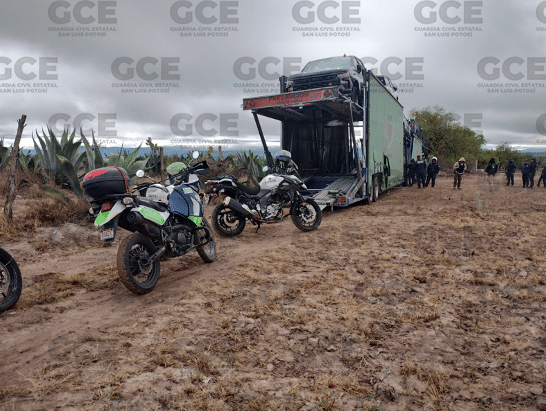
<point x="421" y="171"/>
<point x="532" y="172"/>
<point x="510" y="170"/>
<point x="542" y="177"/>
<point x="411" y="172"/>
<point x="491" y="170"/>
<point x="458" y="169"/>
<point x="432" y="169"/>
<point x="525" y="169"/>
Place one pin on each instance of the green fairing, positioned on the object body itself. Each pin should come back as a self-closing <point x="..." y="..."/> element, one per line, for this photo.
<point x="197" y="220"/>
<point x="101" y="218"/>
<point x="152" y="215"/>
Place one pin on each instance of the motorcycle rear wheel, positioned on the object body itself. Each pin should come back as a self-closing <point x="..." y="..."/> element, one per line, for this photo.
<point x="134" y="269"/>
<point x="11" y="283"/>
<point x="227" y="222"/>
<point x="207" y="252"/>
<point x="307" y="215"/>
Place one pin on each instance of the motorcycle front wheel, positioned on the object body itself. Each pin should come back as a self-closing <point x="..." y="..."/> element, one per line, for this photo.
<point x="135" y="270"/>
<point x="306" y="215"/>
<point x="207" y="252"/>
<point x="11" y="283"/>
<point x="227" y="222"/>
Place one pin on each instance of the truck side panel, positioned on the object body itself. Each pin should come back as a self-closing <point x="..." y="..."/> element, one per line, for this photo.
<point x="385" y="135"/>
<point x="417" y="148"/>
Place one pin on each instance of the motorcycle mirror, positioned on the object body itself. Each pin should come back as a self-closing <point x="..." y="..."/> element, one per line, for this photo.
<point x="195" y="154"/>
<point x="265" y="168"/>
<point x="140" y="173"/>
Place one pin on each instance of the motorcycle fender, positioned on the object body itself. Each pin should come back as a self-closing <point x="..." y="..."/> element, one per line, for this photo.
<point x="106" y="216"/>
<point x="152" y="215"/>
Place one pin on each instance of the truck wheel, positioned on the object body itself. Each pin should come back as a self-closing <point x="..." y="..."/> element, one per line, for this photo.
<point x="375" y="189"/>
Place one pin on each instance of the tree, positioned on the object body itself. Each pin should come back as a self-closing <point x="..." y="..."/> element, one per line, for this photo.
<point x="447" y="137"/>
<point x="504" y="153"/>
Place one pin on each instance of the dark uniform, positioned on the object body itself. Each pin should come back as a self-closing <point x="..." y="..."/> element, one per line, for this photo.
<point x="532" y="172"/>
<point x="491" y="170"/>
<point x="432" y="169"/>
<point x="421" y="171"/>
<point x="525" y="171"/>
<point x="542" y="178"/>
<point x="411" y="172"/>
<point x="510" y="170"/>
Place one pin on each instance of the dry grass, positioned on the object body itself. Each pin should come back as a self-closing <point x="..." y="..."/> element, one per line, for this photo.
<point x="329" y="327"/>
<point x="54" y="287"/>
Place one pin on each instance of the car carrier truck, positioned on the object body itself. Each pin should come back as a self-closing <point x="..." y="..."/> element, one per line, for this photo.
<point x="318" y="128"/>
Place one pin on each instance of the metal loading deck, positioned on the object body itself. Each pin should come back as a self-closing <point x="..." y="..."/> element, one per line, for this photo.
<point x="288" y="106"/>
<point x="329" y="114"/>
<point x="330" y="190"/>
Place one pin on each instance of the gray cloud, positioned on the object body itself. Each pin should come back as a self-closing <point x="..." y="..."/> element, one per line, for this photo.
<point x="263" y="32"/>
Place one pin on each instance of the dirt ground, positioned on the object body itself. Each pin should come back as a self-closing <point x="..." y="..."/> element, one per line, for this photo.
<point x="429" y="299"/>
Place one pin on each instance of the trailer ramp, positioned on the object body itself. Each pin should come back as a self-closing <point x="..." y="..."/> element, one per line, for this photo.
<point x="330" y="190"/>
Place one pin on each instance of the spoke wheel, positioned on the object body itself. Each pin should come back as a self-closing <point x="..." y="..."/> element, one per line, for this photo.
<point x="135" y="269"/>
<point x="11" y="283"/>
<point x="207" y="252"/>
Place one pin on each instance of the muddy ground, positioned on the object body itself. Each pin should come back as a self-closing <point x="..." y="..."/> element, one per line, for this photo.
<point x="426" y="300"/>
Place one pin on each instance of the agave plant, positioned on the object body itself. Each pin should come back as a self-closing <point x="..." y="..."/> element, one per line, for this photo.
<point x="28" y="162"/>
<point x="60" y="159"/>
<point x="252" y="164"/>
<point x="4" y="154"/>
<point x="122" y="159"/>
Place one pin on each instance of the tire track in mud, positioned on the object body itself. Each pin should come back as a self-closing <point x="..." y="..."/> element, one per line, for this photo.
<point x="37" y="334"/>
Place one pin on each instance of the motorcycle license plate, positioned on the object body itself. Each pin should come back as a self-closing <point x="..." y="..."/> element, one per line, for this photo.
<point x="107" y="234"/>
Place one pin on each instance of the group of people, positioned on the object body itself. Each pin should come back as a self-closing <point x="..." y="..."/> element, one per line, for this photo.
<point x="425" y="175"/>
<point x="418" y="172"/>
<point x="528" y="172"/>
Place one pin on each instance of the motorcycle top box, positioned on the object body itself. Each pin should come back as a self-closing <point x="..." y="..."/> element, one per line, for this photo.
<point x="106" y="181"/>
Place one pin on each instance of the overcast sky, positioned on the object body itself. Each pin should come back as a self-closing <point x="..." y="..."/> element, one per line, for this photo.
<point x="177" y="71"/>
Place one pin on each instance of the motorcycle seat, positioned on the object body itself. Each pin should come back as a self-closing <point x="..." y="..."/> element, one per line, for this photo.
<point x="248" y="190"/>
<point x="151" y="204"/>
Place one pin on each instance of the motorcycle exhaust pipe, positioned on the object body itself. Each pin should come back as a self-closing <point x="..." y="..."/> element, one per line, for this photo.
<point x="238" y="207"/>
